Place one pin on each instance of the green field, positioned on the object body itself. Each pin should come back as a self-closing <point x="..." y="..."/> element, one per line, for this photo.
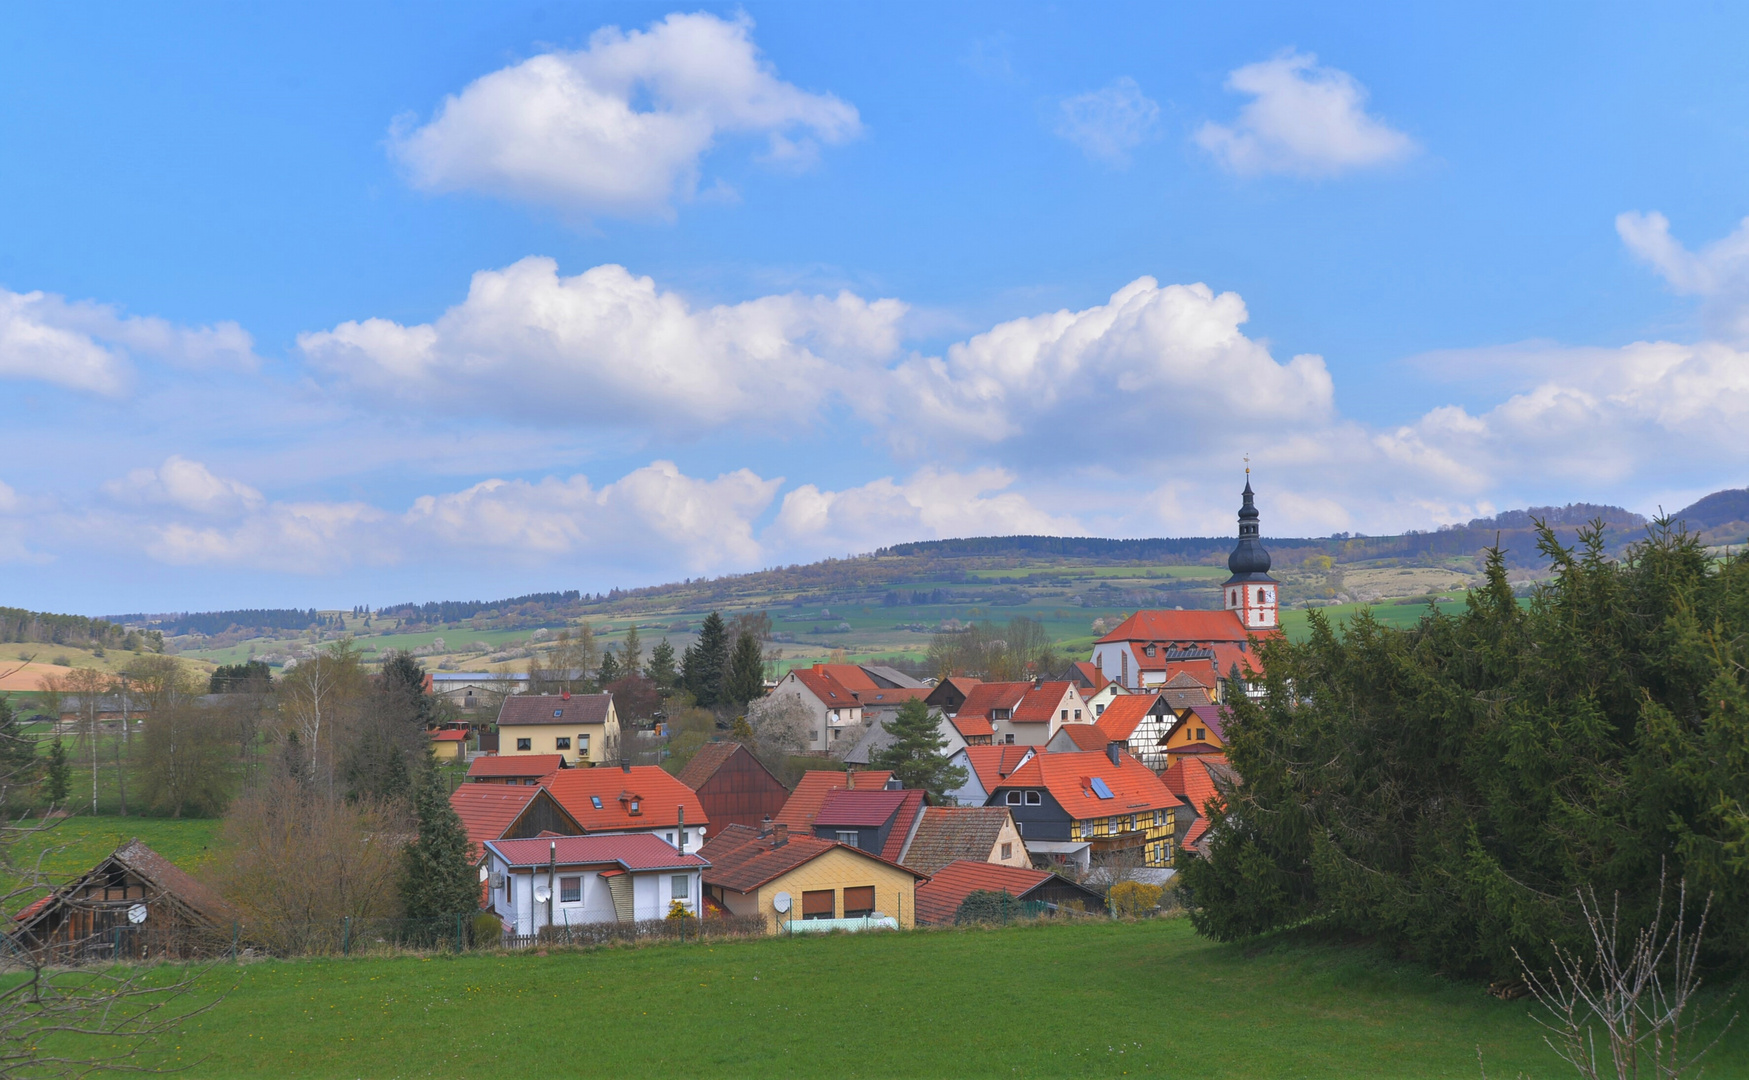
<point x="78" y="843"/>
<point x="1089" y="999"/>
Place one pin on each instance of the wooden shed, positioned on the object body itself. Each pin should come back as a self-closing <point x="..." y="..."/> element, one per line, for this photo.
<point x="134" y="904"/>
<point x="734" y="787"/>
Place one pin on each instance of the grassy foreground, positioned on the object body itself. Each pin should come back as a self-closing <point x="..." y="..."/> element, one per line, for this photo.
<point x="1091" y="999"/>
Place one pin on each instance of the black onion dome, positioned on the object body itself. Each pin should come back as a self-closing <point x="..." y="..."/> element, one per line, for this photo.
<point x="1250" y="559"/>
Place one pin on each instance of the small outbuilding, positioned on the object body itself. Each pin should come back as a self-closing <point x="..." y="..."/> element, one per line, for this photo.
<point x="135" y="904"/>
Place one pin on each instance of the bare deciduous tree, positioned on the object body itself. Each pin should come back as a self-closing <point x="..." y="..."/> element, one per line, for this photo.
<point x="1640" y="999"/>
<point x="298" y="862"/>
<point x="317" y="697"/>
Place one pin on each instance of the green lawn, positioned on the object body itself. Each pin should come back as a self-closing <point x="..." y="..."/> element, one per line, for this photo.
<point x="1090" y="999"/>
<point x="76" y="844"/>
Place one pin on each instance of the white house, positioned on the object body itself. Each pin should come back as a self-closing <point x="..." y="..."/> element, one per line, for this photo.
<point x="836" y="708"/>
<point x="570" y="880"/>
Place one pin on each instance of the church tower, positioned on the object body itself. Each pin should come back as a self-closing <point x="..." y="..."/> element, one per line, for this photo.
<point x="1251" y="591"/>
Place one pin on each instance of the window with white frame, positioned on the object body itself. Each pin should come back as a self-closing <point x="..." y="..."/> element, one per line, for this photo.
<point x="679" y="888"/>
<point x="1014" y="798"/>
<point x="1033" y="799"/>
<point x="570" y="890"/>
<point x="847" y="836"/>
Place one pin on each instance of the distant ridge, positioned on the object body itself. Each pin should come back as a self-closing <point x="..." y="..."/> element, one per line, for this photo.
<point x="1717" y="510"/>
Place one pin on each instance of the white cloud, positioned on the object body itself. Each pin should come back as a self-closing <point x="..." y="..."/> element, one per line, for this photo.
<point x="1110" y="122"/>
<point x="1303" y="120"/>
<point x="606" y="348"/>
<point x="186" y="485"/>
<point x="932" y="504"/>
<point x="619" y="127"/>
<point x="655" y="515"/>
<point x="87" y="346"/>
<point x="1167" y="361"/>
<point x="1719" y="272"/>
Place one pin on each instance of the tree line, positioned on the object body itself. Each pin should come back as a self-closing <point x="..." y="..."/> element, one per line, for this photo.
<point x="1449" y="789"/>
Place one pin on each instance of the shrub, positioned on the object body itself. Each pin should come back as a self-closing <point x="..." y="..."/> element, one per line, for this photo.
<point x="984" y="906"/>
<point x="1134" y="898"/>
<point x="486" y="928"/>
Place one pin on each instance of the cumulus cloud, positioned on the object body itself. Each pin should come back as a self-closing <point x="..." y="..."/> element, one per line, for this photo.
<point x="932" y="504"/>
<point x="1718" y="272"/>
<point x="1302" y="120"/>
<point x="655" y="513"/>
<point x="86" y="346"/>
<point x="1166" y="359"/>
<point x="1110" y="122"/>
<point x="620" y="126"/>
<point x="186" y="485"/>
<point x="607" y="348"/>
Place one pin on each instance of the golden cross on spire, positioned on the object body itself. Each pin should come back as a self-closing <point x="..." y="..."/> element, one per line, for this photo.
<point x="1247" y="464"/>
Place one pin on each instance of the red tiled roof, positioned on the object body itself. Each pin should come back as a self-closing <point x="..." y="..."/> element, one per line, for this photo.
<point x="1068" y="777"/>
<point x="1091" y="675"/>
<point x="743" y="860"/>
<point x="516" y="765"/>
<point x="828" y="689"/>
<point x="970" y="727"/>
<point x="487" y="810"/>
<point x="523" y="709"/>
<point x="851" y="676"/>
<point x="992" y="763"/>
<point x="864" y="808"/>
<point x="1085" y="736"/>
<point x="449" y="736"/>
<point x="1179" y="626"/>
<point x="659" y="795"/>
<point x="1191" y="780"/>
<point x="1200" y="672"/>
<point x="1193" y="835"/>
<point x="904" y="822"/>
<point x="35" y="906"/>
<point x="810" y="794"/>
<point x="634" y="851"/>
<point x="1125" y="713"/>
<point x="1041" y="703"/>
<point x="1226" y="656"/>
<point x="939" y="898"/>
<point x="984" y="697"/>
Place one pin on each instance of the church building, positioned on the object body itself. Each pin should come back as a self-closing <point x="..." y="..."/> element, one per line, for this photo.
<point x="1151" y="648"/>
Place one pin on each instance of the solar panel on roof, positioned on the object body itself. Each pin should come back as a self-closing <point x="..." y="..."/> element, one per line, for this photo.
<point x="1101" y="790"/>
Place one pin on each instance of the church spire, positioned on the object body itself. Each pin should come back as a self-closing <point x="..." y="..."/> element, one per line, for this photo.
<point x="1250" y="592"/>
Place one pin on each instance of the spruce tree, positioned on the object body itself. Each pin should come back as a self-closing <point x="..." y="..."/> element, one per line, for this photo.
<point x="915" y="756"/>
<point x="439" y="881"/>
<point x="632" y="653"/>
<point x="746" y="679"/>
<point x="661" y="666"/>
<point x="17" y="751"/>
<point x="60" y="773"/>
<point x="706" y="663"/>
<point x="610" y="671"/>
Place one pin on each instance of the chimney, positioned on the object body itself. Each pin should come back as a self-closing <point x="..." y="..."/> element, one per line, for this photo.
<point x="819" y="667"/>
<point x="625" y="764"/>
<point x="1112" y="749"/>
<point x="765" y="826"/>
<point x="779" y="835"/>
<point x="850" y="780"/>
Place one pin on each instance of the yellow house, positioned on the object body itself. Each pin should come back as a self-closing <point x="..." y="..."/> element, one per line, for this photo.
<point x="581" y="728"/>
<point x="754" y="872"/>
<point x="449" y="744"/>
<point x="1196" y="730"/>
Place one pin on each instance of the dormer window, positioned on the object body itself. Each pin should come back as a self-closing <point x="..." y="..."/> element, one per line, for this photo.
<point x="1001" y="714"/>
<point x="557" y="713"/>
<point x="1148" y="651"/>
<point x="1014" y="798"/>
<point x="634" y="807"/>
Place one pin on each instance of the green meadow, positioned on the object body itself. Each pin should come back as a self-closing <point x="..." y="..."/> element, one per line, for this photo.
<point x="1087" y="999"/>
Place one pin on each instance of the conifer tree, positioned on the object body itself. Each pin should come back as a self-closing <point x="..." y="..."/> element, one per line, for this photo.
<point x="17" y="752"/>
<point x="610" y="671"/>
<point x="915" y="756"/>
<point x="661" y="666"/>
<point x="746" y="681"/>
<point x="632" y="653"/>
<point x="706" y="662"/>
<point x="439" y="881"/>
<point x="60" y="773"/>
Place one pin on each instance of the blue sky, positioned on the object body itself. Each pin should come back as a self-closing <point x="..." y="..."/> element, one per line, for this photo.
<point x="366" y="303"/>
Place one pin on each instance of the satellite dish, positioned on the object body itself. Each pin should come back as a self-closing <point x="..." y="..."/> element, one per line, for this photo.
<point x="781" y="902"/>
<point x="484" y="873"/>
<point x="137" y="914"/>
<point x="542" y="894"/>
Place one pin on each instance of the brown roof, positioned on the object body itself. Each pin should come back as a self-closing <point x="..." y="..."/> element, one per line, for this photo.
<point x="810" y="794"/>
<point x="519" y="765"/>
<point x="743" y="860"/>
<point x="705" y="763"/>
<point x="939" y="899"/>
<point x="166" y="876"/>
<point x="947" y="833"/>
<point x="1084" y="736"/>
<point x="524" y="709"/>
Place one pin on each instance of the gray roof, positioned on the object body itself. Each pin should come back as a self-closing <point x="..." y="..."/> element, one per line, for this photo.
<point x="873" y="741"/>
<point x="555" y="709"/>
<point x="891" y="676"/>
